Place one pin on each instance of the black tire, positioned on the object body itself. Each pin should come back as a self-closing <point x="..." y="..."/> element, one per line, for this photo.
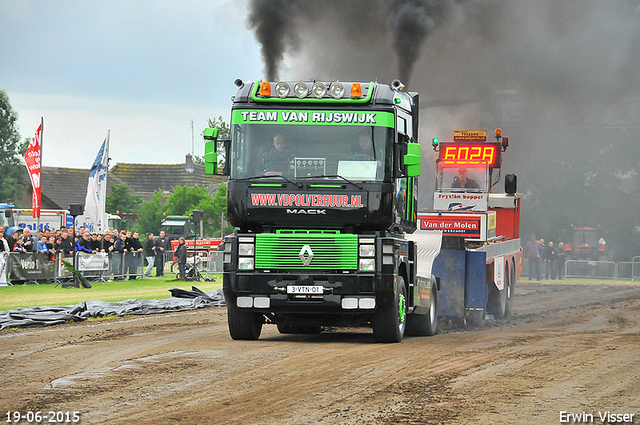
<point x="424" y="324"/>
<point x="498" y="300"/>
<point x="244" y="324"/>
<point x="389" y="322"/>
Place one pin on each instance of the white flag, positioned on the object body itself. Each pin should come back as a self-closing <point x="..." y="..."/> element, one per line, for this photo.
<point x="94" y="204"/>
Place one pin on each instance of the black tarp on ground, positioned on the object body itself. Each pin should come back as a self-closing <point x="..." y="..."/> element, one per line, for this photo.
<point x="46" y="316"/>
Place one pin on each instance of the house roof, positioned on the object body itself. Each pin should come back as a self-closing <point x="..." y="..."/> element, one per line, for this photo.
<point x="145" y="179"/>
<point x="63" y="186"/>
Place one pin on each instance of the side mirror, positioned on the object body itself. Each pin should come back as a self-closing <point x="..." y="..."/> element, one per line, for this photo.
<point x="412" y="160"/>
<point x="210" y="158"/>
<point x="211" y="151"/>
<point x="7" y="213"/>
<point x="511" y="184"/>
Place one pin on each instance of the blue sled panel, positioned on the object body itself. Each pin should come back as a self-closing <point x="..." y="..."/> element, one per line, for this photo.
<point x="475" y="286"/>
<point x="449" y="266"/>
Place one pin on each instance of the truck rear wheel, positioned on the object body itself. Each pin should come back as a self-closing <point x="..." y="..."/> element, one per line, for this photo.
<point x="498" y="300"/>
<point x="244" y="324"/>
<point x="389" y="322"/>
<point x="424" y="324"/>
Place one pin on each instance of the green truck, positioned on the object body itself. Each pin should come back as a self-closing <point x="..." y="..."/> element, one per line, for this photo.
<point x="322" y="190"/>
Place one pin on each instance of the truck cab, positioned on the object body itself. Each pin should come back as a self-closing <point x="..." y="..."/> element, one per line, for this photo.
<point x="322" y="187"/>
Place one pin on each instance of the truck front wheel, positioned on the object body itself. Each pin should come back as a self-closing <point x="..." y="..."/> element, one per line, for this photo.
<point x="389" y="322"/>
<point x="244" y="324"/>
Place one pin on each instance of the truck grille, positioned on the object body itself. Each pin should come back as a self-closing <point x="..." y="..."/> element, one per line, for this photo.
<point x="330" y="249"/>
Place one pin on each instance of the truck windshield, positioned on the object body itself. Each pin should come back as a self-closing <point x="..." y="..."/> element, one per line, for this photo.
<point x="358" y="153"/>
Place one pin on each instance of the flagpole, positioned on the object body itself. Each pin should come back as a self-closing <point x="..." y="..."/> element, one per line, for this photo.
<point x="40" y="200"/>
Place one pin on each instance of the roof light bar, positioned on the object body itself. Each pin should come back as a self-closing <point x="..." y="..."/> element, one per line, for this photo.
<point x="282" y="89"/>
<point x="265" y="88"/>
<point x="301" y="90"/>
<point x="356" y="90"/>
<point x="319" y="90"/>
<point x="337" y="90"/>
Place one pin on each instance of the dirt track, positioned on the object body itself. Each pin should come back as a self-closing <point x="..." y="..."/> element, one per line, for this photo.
<point x="573" y="348"/>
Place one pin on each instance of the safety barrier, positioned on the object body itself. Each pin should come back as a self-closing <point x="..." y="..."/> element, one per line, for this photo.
<point x="214" y="263"/>
<point x="591" y="269"/>
<point x="598" y="269"/>
<point x="30" y="268"/>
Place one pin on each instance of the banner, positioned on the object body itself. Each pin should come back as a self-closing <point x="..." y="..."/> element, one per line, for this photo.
<point x="97" y="261"/>
<point x="94" y="204"/>
<point x="3" y="268"/>
<point x="31" y="267"/>
<point x="32" y="161"/>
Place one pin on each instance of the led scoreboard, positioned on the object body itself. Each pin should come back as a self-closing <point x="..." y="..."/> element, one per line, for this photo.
<point x="470" y="148"/>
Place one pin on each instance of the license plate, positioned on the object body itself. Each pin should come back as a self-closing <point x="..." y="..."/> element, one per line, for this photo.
<point x="305" y="290"/>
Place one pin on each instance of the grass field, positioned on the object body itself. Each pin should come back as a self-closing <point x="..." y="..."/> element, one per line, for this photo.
<point x="12" y="297"/>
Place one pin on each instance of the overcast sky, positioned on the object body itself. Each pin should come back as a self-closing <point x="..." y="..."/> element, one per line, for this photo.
<point x="141" y="69"/>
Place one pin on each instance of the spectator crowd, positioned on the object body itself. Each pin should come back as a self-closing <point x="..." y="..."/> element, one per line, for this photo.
<point x="63" y="243"/>
<point x="545" y="261"/>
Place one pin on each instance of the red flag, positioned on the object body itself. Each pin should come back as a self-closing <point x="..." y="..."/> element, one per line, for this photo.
<point x="32" y="160"/>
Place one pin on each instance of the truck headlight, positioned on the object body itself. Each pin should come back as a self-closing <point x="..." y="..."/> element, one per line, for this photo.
<point x="246" y="249"/>
<point x="367" y="265"/>
<point x="245" y="263"/>
<point x="367" y="250"/>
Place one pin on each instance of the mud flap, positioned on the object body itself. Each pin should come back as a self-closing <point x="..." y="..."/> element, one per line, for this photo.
<point x="476" y="291"/>
<point x="449" y="266"/>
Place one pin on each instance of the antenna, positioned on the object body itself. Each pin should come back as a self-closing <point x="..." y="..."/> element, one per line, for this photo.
<point x="193" y="143"/>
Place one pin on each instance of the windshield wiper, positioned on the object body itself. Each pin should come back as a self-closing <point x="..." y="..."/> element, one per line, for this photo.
<point x="298" y="184"/>
<point x="358" y="185"/>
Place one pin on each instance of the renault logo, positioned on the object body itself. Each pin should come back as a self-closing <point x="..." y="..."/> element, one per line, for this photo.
<point x="306" y="249"/>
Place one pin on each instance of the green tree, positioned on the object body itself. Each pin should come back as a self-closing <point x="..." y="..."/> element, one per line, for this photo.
<point x="122" y="199"/>
<point x="13" y="178"/>
<point x="186" y="199"/>
<point x="150" y="214"/>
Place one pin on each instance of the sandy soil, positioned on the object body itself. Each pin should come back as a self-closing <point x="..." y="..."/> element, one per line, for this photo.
<point x="568" y="348"/>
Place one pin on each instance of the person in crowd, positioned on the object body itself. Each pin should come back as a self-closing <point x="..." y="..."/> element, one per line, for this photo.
<point x="278" y="160"/>
<point x="107" y="242"/>
<point x="150" y="254"/>
<point x="67" y="243"/>
<point x="30" y="243"/>
<point x="19" y="246"/>
<point x="4" y="243"/>
<point x="163" y="246"/>
<point x="136" y="251"/>
<point x="95" y="244"/>
<point x="181" y="258"/>
<point x="84" y="244"/>
<point x="72" y="234"/>
<point x="58" y="243"/>
<point x="561" y="257"/>
<point x="549" y="255"/>
<point x="533" y="253"/>
<point x="13" y="238"/>
<point x="119" y="251"/>
<point x="51" y="245"/>
<point x="462" y="180"/>
<point x="42" y="244"/>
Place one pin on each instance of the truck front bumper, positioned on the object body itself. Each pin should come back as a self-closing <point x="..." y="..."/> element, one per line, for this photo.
<point x="339" y="293"/>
